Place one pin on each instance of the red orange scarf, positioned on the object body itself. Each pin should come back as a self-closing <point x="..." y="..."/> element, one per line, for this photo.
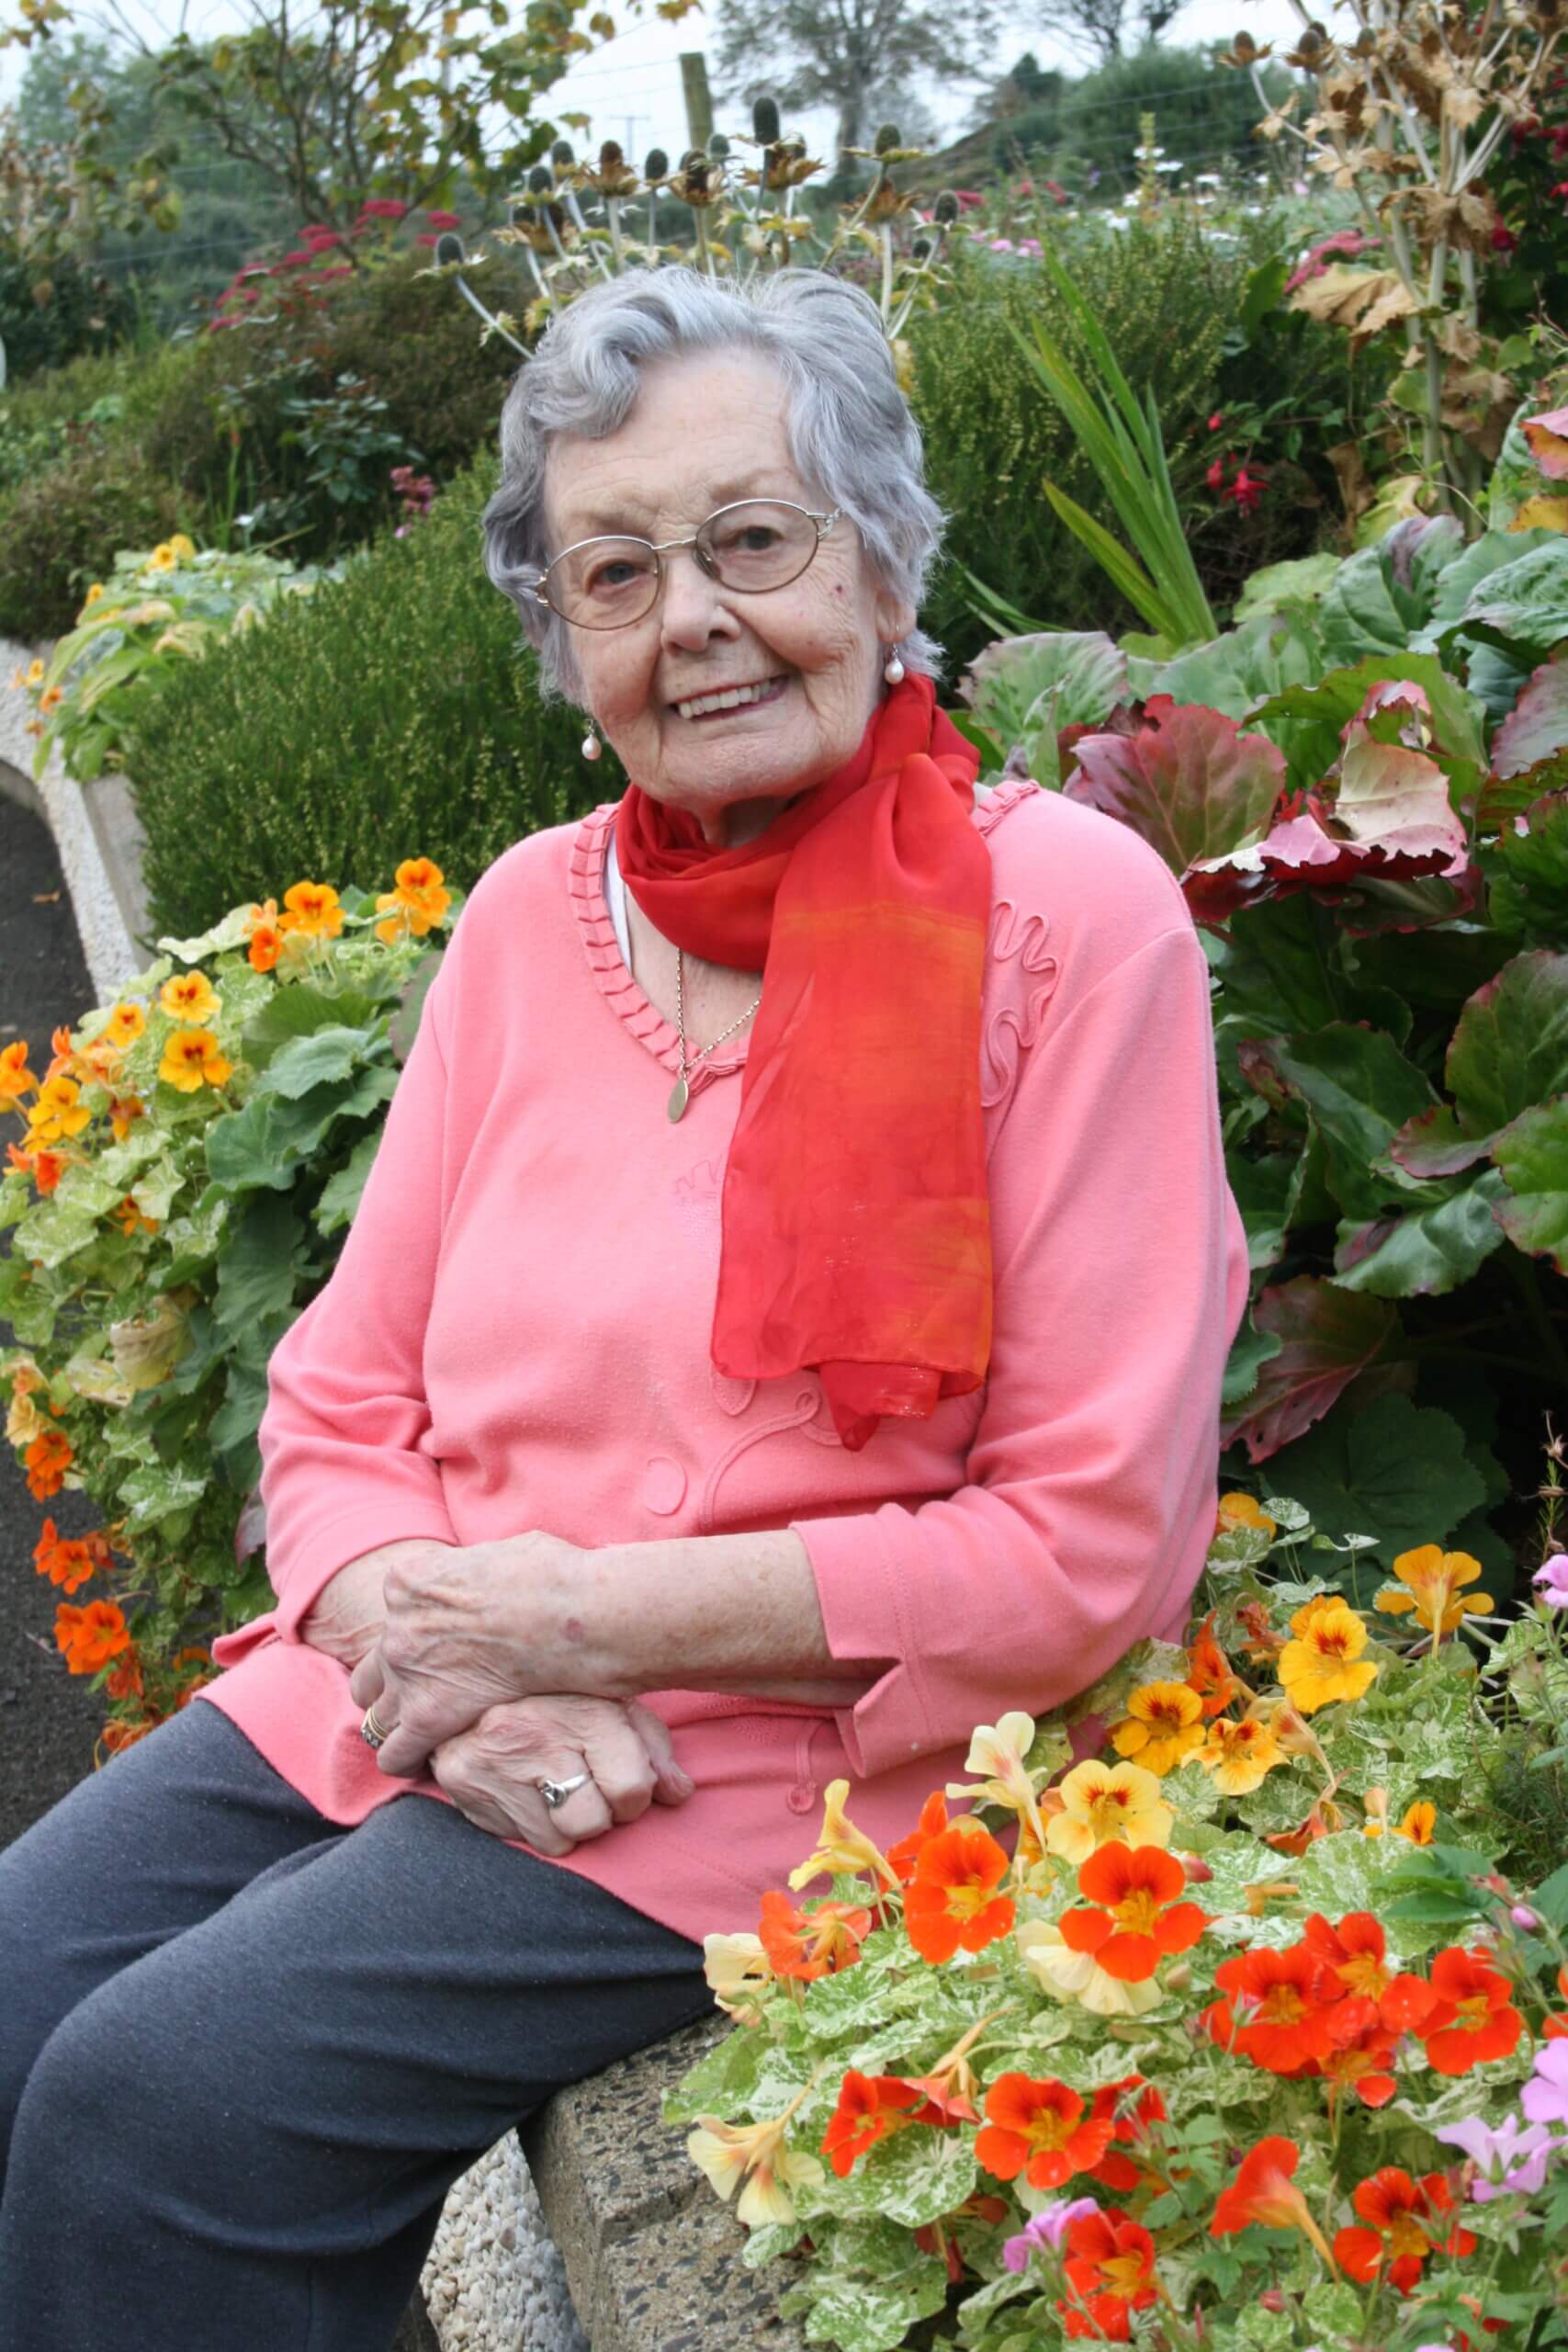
<point x="856" y="1226"/>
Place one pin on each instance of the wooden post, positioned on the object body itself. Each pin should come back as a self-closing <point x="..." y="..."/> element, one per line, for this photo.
<point x="699" y="102"/>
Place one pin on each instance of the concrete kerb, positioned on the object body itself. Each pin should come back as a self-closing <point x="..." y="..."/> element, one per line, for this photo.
<point x="651" y="2258"/>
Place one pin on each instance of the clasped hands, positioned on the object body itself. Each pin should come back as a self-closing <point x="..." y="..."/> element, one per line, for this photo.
<point x="458" y="1655"/>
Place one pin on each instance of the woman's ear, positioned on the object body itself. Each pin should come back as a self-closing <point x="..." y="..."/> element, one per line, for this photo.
<point x="895" y="617"/>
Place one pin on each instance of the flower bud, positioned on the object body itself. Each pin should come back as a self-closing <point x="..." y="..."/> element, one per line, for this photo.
<point x="610" y="156"/>
<point x="887" y="138"/>
<point x="655" y="166"/>
<point x="921" y="249"/>
<point x="562" y="152"/>
<point x="541" y="180"/>
<point x="1524" y="1919"/>
<point x="1271" y="2300"/>
<point x="449" y="248"/>
<point x="946" y="208"/>
<point x="718" y="147"/>
<point x="765" y="121"/>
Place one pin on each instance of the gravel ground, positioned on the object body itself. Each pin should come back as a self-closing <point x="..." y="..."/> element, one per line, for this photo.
<point x="48" y="1722"/>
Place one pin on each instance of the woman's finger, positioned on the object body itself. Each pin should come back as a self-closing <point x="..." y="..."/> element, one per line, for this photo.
<point x="672" y="1786"/>
<point x="584" y="1813"/>
<point x="366" y="1683"/>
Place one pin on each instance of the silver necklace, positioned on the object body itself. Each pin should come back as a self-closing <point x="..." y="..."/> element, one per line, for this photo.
<point x="680" y="1093"/>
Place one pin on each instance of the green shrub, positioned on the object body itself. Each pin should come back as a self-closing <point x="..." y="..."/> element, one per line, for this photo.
<point x="394" y="715"/>
<point x="416" y="343"/>
<point x="51" y="312"/>
<point x="62" y="529"/>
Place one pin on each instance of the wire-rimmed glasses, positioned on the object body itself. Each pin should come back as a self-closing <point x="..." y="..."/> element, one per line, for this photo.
<point x="750" y="546"/>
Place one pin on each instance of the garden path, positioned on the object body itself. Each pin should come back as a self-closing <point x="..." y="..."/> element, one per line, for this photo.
<point x="48" y="1723"/>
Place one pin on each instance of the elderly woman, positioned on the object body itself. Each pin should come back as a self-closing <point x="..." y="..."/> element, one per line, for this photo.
<point x="784" y="1329"/>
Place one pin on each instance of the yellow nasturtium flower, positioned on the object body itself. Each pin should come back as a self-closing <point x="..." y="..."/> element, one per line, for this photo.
<point x="58" y="1113"/>
<point x="190" y="998"/>
<point x="417" y="902"/>
<point x="1164" y="1724"/>
<point x="125" y="1024"/>
<point x="16" y="1077"/>
<point x="842" y="1847"/>
<point x="1238" y="1756"/>
<point x="1325" y="1662"/>
<point x="1241" y="1510"/>
<point x="1101" y="1802"/>
<point x="311" y="910"/>
<point x="191" y="1060"/>
<point x="1431" y="1579"/>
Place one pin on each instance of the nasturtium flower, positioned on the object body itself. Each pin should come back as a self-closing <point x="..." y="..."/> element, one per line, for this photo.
<point x="1164" y="1723"/>
<point x="124" y="1111"/>
<point x="1324" y="1662"/>
<point x="130" y="1220"/>
<point x="1131" y="1918"/>
<point x="191" y="1060"/>
<point x="92" y="597"/>
<point x="1473" y="2018"/>
<point x="1419" y="1823"/>
<point x="1041" y="2128"/>
<point x="951" y="1900"/>
<point x="1429" y="1582"/>
<point x="89" y="1637"/>
<point x="1100" y="1803"/>
<point x="416" y="904"/>
<point x="163" y="559"/>
<point x="311" y="910"/>
<point x="1111" y="2270"/>
<point x="1409" y="2220"/>
<point x="869" y="2108"/>
<point x="1361" y="2061"/>
<point x="190" y="998"/>
<point x="58" y="1113"/>
<point x="997" y="1752"/>
<point x="16" y="1077"/>
<point x="753" y="2158"/>
<point x="1136" y="2110"/>
<point x="811" y="1944"/>
<point x="65" y="1561"/>
<point x="1265" y="2191"/>
<point x="842" y="1846"/>
<point x="46" y="1461"/>
<point x="1069" y="1975"/>
<point x="1242" y="1510"/>
<point x="906" y="1854"/>
<point x="1277" y="2008"/>
<point x="125" y="1024"/>
<point x="1209" y="1670"/>
<point x="1238" y="1756"/>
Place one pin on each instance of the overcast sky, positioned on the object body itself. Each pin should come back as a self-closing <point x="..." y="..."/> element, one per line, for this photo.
<point x="631" y="88"/>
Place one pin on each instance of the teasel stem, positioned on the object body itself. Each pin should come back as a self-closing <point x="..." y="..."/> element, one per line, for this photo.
<point x="617" y="252"/>
<point x="703" y="246"/>
<point x="886" y="272"/>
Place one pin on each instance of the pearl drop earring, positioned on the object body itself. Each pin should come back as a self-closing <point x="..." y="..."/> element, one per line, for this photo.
<point x="893" y="670"/>
<point x="591" y="746"/>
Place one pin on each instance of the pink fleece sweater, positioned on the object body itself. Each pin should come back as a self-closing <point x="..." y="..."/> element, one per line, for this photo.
<point x="517" y="1336"/>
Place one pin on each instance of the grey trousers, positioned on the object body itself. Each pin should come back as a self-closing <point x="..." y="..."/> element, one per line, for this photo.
<point x="245" y="2051"/>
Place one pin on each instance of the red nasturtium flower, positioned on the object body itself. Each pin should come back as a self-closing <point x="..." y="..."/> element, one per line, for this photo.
<point x="1264" y="2192"/>
<point x="47" y="1460"/>
<point x="1041" y="2125"/>
<point x="952" y="1899"/>
<point x="65" y="1560"/>
<point x="1133" y="2109"/>
<point x="1473" y="2018"/>
<point x="1409" y="2219"/>
<point x="1277" y="2008"/>
<point x="90" y="1637"/>
<point x="908" y="1851"/>
<point x="1136" y="1919"/>
<point x="820" y="1943"/>
<point x="870" y="2107"/>
<point x="1111" y="2270"/>
<point x="1209" y="1670"/>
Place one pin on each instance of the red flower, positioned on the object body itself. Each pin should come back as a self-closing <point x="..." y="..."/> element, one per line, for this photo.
<point x="932" y="1822"/>
<point x="1410" y="2220"/>
<point x="1355" y="1952"/>
<point x="382" y="208"/>
<point x="1111" y="2270"/>
<point x="1133" y="2123"/>
<point x="1503" y="240"/>
<point x="1217" y="422"/>
<point x="1264" y="2192"/>
<point x="1278" y="2010"/>
<point x="444" y="220"/>
<point x="1473" y="2018"/>
<point x="870" y="2107"/>
<point x="1560" y="189"/>
<point x="952" y="1899"/>
<point x="1209" y="1670"/>
<point x="1362" y="2063"/>
<point x="1246" y="490"/>
<point x="1215" y="476"/>
<point x="1041" y="2125"/>
<point x="821" y="1944"/>
<point x="1137" y="1919"/>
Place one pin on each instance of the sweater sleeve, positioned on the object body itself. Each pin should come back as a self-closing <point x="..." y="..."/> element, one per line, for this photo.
<point x="1119" y="1278"/>
<point x="342" y="1468"/>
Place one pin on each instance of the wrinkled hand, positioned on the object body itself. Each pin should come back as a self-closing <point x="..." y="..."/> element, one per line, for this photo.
<point x="488" y="1772"/>
<point x="455" y="1642"/>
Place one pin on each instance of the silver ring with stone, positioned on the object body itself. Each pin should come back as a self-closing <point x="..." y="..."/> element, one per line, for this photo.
<point x="370" y="1731"/>
<point x="556" y="1793"/>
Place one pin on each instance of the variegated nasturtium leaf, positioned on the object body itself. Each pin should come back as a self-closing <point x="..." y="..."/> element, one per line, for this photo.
<point x="1327" y="1335"/>
<point x="1189" y="782"/>
<point x="1392" y="1470"/>
<point x="1532" y="1154"/>
<point x="1426" y="1251"/>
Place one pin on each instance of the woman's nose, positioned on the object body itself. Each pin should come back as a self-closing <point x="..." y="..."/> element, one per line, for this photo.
<point x="694" y="609"/>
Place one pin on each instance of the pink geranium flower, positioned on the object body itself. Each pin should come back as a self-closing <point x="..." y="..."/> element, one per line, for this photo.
<point x="1550" y="1581"/>
<point x="1545" y="2097"/>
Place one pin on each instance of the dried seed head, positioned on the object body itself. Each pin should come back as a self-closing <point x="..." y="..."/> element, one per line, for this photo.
<point x="1244" y="49"/>
<point x="946" y="210"/>
<point x="718" y="147"/>
<point x="449" y="248"/>
<point x="765" y="121"/>
<point x="562" y="152"/>
<point x="655" y="166"/>
<point x="540" y="180"/>
<point x="611" y="158"/>
<point x="887" y="138"/>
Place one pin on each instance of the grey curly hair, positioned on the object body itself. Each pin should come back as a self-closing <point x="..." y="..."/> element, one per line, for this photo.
<point x="852" y="434"/>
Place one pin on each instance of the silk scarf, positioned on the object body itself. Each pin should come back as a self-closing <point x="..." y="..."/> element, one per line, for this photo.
<point x="856" y="1226"/>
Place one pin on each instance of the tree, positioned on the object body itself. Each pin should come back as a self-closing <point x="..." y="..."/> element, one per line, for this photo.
<point x="838" y="53"/>
<point x="1103" y="25"/>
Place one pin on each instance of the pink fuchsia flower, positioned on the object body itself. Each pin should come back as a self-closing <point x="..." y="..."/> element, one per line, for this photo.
<point x="1048" y="2227"/>
<point x="1246" y="490"/>
<point x="1545" y="2097"/>
<point x="1511" y="2158"/>
<point x="1503" y="240"/>
<point x="1551" y="1581"/>
<point x="1345" y="245"/>
<point x="1217" y="422"/>
<point x="1215" y="476"/>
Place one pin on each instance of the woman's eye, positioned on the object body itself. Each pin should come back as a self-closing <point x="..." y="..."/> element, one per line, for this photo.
<point x="605" y="578"/>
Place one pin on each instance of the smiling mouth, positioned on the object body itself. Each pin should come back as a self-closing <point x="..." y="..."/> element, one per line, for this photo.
<point x="730" y="698"/>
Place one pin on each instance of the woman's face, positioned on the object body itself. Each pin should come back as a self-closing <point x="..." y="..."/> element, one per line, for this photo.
<point x="704" y="433"/>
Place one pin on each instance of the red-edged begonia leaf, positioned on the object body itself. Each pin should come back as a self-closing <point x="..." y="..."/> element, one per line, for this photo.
<point x="1328" y="1336"/>
<point x="1509" y="1050"/>
<point x="1533" y="1157"/>
<point x="1548" y="437"/>
<point x="1189" y="782"/>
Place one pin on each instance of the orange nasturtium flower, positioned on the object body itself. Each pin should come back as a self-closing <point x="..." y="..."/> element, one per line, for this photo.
<point x="869" y="2108"/>
<point x="124" y="1025"/>
<point x="1429" y="1581"/>
<point x="1131" y="1918"/>
<point x="1100" y="1803"/>
<point x="416" y="904"/>
<point x="58" y="1113"/>
<point x="16" y="1077"/>
<point x="313" y="910"/>
<point x="952" y="1899"/>
<point x="265" y="935"/>
<point x="190" y="998"/>
<point x="45" y="1167"/>
<point x="842" y="1846"/>
<point x="906" y="1854"/>
<point x="91" y="1637"/>
<point x="1420" y="1823"/>
<point x="1409" y="2219"/>
<point x="129" y="1219"/>
<point x="66" y="1560"/>
<point x="1277" y="2008"/>
<point x="1321" y="1664"/>
<point x="1164" y="1724"/>
<point x="1041" y="2125"/>
<point x="1241" y="1510"/>
<point x="124" y="1111"/>
<point x="821" y="1943"/>
<point x="1209" y="1670"/>
<point x="46" y="1461"/>
<point x="1238" y="1757"/>
<point x="191" y="1060"/>
<point x="1473" y="2018"/>
<point x="125" y="1682"/>
<point x="1264" y="2190"/>
<point x="1111" y="2270"/>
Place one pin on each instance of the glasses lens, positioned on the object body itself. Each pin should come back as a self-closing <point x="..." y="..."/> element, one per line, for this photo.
<point x="604" y="584"/>
<point x="760" y="543"/>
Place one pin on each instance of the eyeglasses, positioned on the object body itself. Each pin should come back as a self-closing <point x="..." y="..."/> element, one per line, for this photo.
<point x="755" y="544"/>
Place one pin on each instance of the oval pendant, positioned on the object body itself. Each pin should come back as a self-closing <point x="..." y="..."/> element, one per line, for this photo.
<point x="679" y="1098"/>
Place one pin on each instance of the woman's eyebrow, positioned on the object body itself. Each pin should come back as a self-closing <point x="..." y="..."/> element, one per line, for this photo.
<point x="632" y="520"/>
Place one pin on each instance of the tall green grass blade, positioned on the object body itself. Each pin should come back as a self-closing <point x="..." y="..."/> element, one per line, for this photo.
<point x="1123" y="569"/>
